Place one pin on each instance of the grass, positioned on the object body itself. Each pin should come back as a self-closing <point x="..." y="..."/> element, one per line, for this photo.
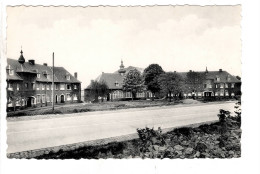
<point x="89" y="107"/>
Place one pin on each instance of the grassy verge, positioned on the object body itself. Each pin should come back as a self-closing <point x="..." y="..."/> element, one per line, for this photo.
<point x="218" y="140"/>
<point x="92" y="107"/>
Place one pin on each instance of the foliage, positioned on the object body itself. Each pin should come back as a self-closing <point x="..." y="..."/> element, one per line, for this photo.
<point x="194" y="81"/>
<point x="171" y="83"/>
<point x="151" y="74"/>
<point x="238" y="113"/>
<point x="223" y="115"/>
<point x="133" y="82"/>
<point x="97" y="89"/>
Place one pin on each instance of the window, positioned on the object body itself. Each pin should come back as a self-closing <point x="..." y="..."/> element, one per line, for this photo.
<point x="9" y="87"/>
<point x="62" y="86"/>
<point x="47" y="98"/>
<point x="232" y="94"/>
<point x="38" y="74"/>
<point x="221" y="93"/>
<point x="116" y="83"/>
<point x="209" y="86"/>
<point x="205" y="85"/>
<point x="10" y="71"/>
<point x="26" y="85"/>
<point x="218" y="79"/>
<point x="43" y="86"/>
<point x="68" y="76"/>
<point x="38" y="98"/>
<point x="75" y="87"/>
<point x="75" y="97"/>
<point x="216" y="85"/>
<point x="47" y="87"/>
<point x="216" y="93"/>
<point x="37" y="86"/>
<point x="56" y="87"/>
<point x="221" y="85"/>
<point x="226" y="93"/>
<point x="226" y="85"/>
<point x="68" y="97"/>
<point x="43" y="98"/>
<point x="33" y="86"/>
<point x="18" y="87"/>
<point x="232" y="85"/>
<point x="68" y="87"/>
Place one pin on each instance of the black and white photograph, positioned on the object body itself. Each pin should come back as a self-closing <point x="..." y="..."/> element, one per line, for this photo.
<point x="125" y="83"/>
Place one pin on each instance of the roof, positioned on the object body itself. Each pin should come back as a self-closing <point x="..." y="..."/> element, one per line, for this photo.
<point x="131" y="67"/>
<point x="26" y="67"/>
<point x="212" y="75"/>
<point x="111" y="79"/>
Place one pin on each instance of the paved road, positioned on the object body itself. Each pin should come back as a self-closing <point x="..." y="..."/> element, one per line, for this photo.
<point x="36" y="134"/>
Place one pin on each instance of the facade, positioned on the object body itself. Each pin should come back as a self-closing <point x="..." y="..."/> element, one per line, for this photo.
<point x="214" y="84"/>
<point x="217" y="84"/>
<point x="30" y="84"/>
<point x="114" y="82"/>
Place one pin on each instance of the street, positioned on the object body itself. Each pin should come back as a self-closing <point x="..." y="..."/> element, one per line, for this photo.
<point x="42" y="133"/>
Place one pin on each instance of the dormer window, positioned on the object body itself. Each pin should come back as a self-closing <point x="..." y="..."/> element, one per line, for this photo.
<point x="68" y="76"/>
<point x="10" y="71"/>
<point x="116" y="83"/>
<point x="218" y="79"/>
<point x="228" y="78"/>
<point x="38" y="74"/>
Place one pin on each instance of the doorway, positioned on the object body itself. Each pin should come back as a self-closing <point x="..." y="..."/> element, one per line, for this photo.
<point x="62" y="98"/>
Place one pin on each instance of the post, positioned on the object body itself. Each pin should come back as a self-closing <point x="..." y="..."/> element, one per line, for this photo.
<point x="53" y="81"/>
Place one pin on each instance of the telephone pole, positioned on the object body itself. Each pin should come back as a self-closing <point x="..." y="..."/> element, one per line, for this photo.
<point x="53" y="81"/>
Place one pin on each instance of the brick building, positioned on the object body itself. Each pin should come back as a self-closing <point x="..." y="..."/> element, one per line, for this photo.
<point x="114" y="82"/>
<point x="215" y="84"/>
<point x="30" y="84"/>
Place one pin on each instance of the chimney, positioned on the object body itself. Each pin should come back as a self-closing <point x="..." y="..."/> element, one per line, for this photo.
<point x="31" y="61"/>
<point x="76" y="75"/>
<point x="220" y="70"/>
<point x="45" y="64"/>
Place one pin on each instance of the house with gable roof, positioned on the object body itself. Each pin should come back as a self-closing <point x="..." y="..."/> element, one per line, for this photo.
<point x="30" y="84"/>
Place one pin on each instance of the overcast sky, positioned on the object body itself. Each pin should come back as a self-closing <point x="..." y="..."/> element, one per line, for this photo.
<point x="93" y="40"/>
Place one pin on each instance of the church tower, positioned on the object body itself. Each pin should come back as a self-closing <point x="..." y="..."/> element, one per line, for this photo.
<point x="122" y="69"/>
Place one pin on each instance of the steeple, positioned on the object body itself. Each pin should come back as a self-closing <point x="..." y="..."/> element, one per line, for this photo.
<point x="21" y="59"/>
<point x="122" y="68"/>
<point x="207" y="70"/>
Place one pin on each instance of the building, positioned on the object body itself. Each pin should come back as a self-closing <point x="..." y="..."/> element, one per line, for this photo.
<point x="30" y="84"/>
<point x="114" y="82"/>
<point x="216" y="84"/>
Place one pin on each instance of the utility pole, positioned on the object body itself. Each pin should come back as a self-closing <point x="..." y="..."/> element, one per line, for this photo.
<point x="53" y="81"/>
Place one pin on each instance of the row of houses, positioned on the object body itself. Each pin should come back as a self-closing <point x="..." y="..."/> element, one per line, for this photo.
<point x="215" y="84"/>
<point x="30" y="84"/>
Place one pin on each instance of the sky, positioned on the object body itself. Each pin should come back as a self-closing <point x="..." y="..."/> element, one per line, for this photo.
<point x="92" y="40"/>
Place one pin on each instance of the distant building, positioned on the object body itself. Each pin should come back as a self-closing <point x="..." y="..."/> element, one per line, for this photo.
<point x="30" y="84"/>
<point x="216" y="84"/>
<point x="114" y="82"/>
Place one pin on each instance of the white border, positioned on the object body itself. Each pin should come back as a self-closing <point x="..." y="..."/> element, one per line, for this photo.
<point x="250" y="160"/>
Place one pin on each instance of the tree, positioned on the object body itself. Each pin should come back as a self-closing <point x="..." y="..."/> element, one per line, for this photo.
<point x="151" y="74"/>
<point x="133" y="82"/>
<point x="97" y="89"/>
<point x="194" y="81"/>
<point x="170" y="83"/>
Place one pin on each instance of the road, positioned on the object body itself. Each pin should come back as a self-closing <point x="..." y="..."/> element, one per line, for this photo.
<point x="42" y="133"/>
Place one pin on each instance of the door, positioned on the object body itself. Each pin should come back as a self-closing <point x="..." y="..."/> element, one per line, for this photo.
<point x="29" y="102"/>
<point x="62" y="98"/>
